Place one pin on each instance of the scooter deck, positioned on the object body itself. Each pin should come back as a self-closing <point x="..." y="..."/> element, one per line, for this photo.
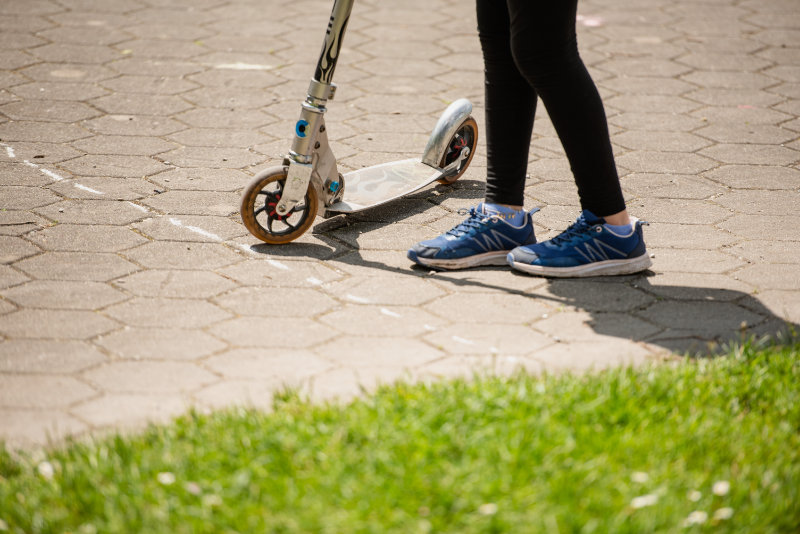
<point x="372" y="186"/>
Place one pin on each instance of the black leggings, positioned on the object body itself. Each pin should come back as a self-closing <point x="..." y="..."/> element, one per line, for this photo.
<point x="530" y="49"/>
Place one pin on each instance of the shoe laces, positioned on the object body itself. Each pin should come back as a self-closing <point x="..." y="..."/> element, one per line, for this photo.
<point x="475" y="220"/>
<point x="578" y="228"/>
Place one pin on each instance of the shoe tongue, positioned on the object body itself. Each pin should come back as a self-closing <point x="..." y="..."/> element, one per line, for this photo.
<point x="591" y="218"/>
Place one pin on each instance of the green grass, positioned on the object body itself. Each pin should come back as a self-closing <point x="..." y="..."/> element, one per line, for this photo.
<point x="625" y="450"/>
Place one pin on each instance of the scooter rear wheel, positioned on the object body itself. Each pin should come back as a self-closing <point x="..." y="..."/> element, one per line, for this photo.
<point x="258" y="212"/>
<point x="465" y="136"/>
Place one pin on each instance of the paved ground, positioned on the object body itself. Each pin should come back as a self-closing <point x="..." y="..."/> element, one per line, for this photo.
<point x="129" y="289"/>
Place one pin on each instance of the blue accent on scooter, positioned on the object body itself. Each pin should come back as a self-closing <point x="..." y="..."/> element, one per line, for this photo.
<point x="300" y="128"/>
<point x="334" y="187"/>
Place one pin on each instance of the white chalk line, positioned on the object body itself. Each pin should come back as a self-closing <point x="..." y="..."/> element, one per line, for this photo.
<point x="138" y="207"/>
<point x="278" y="265"/>
<point x="88" y="189"/>
<point x="196" y="229"/>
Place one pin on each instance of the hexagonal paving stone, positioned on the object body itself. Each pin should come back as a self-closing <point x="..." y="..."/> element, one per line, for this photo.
<point x="662" y="141"/>
<point x="141" y="104"/>
<point x="71" y="72"/>
<point x="672" y="122"/>
<point x="693" y="261"/>
<point x="15" y="248"/>
<point x="196" y="203"/>
<point x="182" y="255"/>
<point x="114" y="165"/>
<point x="55" y="324"/>
<point x="761" y="251"/>
<point x="86" y="238"/>
<point x="696" y="286"/>
<point x="751" y="154"/>
<point x="668" y="163"/>
<point x="229" y="393"/>
<point x="175" y="284"/>
<point x="17" y="223"/>
<point x="10" y="277"/>
<point x="701" y="319"/>
<point x="213" y="157"/>
<point x="76" y="266"/>
<point x="279" y="367"/>
<point x="390" y="289"/>
<point x="74" y="53"/>
<point x="127" y="410"/>
<point x="154" y="85"/>
<point x="581" y="325"/>
<point x="160" y="344"/>
<point x="606" y="295"/>
<point x="267" y="332"/>
<point x="191" y="228"/>
<point x="64" y="295"/>
<point x="167" y="313"/>
<point x="397" y="352"/>
<point x="288" y="302"/>
<point x="656" y="103"/>
<point x="404" y="321"/>
<point x="51" y="111"/>
<point x="148" y="377"/>
<point x="767" y="177"/>
<point x="760" y="202"/>
<point x="783" y="228"/>
<point x="591" y="355"/>
<point x="25" y="198"/>
<point x="783" y="304"/>
<point x="24" y="427"/>
<point x="381" y="236"/>
<point x="58" y="91"/>
<point x="203" y="179"/>
<point x="669" y="186"/>
<point x="503" y="308"/>
<point x="15" y="174"/>
<point x="771" y="276"/>
<point x="486" y="340"/>
<point x="133" y="125"/>
<point x="123" y="145"/>
<point x="41" y="131"/>
<point x="93" y="212"/>
<point x="266" y="272"/>
<point x="47" y="357"/>
<point x="679" y="211"/>
<point x="225" y="118"/>
<point x="680" y="236"/>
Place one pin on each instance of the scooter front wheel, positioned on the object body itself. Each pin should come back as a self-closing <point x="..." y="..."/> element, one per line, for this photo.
<point x="259" y="203"/>
<point x="466" y="136"/>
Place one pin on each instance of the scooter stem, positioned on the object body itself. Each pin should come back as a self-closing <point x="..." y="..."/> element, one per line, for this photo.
<point x="340" y="16"/>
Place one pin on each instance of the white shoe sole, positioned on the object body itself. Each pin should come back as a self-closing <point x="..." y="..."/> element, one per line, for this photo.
<point x="478" y="260"/>
<point x="599" y="268"/>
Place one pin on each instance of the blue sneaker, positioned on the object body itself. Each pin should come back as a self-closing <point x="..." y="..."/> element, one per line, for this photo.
<point x="484" y="238"/>
<point x="586" y="248"/>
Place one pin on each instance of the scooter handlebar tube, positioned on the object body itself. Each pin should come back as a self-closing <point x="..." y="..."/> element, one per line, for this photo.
<point x="340" y="15"/>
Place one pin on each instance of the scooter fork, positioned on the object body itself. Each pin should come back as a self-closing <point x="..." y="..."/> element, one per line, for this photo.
<point x="310" y="147"/>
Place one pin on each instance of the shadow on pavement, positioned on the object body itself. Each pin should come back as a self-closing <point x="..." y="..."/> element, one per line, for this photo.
<point x="700" y="321"/>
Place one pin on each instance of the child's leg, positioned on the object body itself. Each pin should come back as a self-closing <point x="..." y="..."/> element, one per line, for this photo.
<point x="545" y="50"/>
<point x="510" y="108"/>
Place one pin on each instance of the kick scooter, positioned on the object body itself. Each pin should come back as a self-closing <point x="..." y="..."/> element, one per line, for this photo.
<point x="280" y="203"/>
